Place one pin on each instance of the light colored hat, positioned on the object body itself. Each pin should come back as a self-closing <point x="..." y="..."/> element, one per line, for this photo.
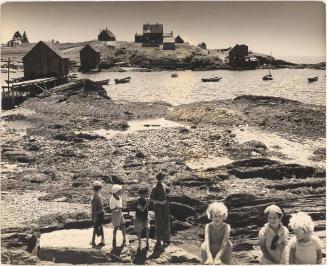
<point x="116" y="188"/>
<point x="97" y="184"/>
<point x="273" y="208"/>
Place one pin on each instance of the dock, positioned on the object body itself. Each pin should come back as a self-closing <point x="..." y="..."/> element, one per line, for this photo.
<point x="15" y="92"/>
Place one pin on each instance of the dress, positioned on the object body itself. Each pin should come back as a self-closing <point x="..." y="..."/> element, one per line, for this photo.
<point x="97" y="213"/>
<point x="216" y="238"/>
<point x="162" y="220"/>
<point x="117" y="215"/>
<point x="266" y="236"/>
<point x="306" y="253"/>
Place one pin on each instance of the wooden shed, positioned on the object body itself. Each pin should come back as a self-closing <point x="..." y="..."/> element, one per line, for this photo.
<point x="106" y="35"/>
<point x="45" y="60"/>
<point x="90" y="58"/>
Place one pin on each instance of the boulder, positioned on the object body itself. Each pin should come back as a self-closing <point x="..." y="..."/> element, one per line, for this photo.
<point x="181" y="211"/>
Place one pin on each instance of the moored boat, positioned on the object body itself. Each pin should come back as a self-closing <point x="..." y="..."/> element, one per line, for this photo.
<point x="123" y="80"/>
<point x="313" y="79"/>
<point x="174" y="75"/>
<point x="267" y="77"/>
<point x="215" y="79"/>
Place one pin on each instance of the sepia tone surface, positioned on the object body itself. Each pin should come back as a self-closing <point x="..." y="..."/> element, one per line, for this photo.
<point x="224" y="99"/>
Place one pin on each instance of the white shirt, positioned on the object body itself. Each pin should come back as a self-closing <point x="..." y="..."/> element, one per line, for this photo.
<point x="114" y="203"/>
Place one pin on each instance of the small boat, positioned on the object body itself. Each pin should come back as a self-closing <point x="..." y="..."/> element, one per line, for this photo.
<point x="267" y="77"/>
<point x="215" y="79"/>
<point x="313" y="79"/>
<point x="103" y="82"/>
<point x="123" y="80"/>
<point x="174" y="75"/>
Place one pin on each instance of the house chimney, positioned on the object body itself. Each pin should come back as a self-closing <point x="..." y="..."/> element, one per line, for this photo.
<point x="171" y="33"/>
<point x="106" y="28"/>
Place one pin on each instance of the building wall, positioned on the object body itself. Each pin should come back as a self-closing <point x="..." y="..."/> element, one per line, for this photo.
<point x="152" y="39"/>
<point x="43" y="62"/>
<point x="168" y="46"/>
<point x="90" y="59"/>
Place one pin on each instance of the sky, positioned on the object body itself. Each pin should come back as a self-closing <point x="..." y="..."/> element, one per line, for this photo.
<point x="283" y="28"/>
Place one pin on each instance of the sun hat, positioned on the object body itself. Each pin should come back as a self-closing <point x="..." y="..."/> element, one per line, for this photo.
<point x="116" y="188"/>
<point x="97" y="184"/>
<point x="273" y="208"/>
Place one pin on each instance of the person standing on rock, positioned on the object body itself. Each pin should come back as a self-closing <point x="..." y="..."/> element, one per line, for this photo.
<point x="116" y="205"/>
<point x="217" y="248"/>
<point x="161" y="208"/>
<point x="97" y="213"/>
<point x="273" y="237"/>
<point x="142" y="217"/>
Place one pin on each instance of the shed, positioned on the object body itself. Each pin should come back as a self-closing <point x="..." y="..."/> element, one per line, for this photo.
<point x="45" y="60"/>
<point x="168" y="43"/>
<point x="138" y="38"/>
<point x="202" y="45"/>
<point x="90" y="58"/>
<point x="179" y="39"/>
<point x="106" y="35"/>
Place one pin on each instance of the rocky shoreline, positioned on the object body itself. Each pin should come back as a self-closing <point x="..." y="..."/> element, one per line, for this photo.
<point x="122" y="54"/>
<point x="53" y="150"/>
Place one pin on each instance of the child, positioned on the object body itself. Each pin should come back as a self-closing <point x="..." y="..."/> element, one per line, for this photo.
<point x="161" y="206"/>
<point x="305" y="246"/>
<point x="216" y="248"/>
<point x="97" y="213"/>
<point x="116" y="205"/>
<point x="142" y="218"/>
<point x="273" y="237"/>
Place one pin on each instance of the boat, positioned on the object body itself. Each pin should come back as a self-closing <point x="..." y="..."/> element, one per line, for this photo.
<point x="103" y="82"/>
<point x="215" y="79"/>
<point x="269" y="76"/>
<point x="313" y="79"/>
<point x="123" y="80"/>
<point x="174" y="75"/>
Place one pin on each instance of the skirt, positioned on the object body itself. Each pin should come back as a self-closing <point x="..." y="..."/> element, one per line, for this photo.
<point x="117" y="218"/>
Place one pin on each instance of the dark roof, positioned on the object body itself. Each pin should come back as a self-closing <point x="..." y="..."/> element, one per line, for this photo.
<point x="108" y="32"/>
<point x="51" y="46"/>
<point x="93" y="48"/>
<point x="152" y="28"/>
<point x="179" y="38"/>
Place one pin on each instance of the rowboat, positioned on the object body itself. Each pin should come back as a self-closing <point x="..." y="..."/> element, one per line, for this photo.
<point x="123" y="80"/>
<point x="215" y="79"/>
<point x="174" y="75"/>
<point x="103" y="82"/>
<point x="267" y="77"/>
<point x="313" y="79"/>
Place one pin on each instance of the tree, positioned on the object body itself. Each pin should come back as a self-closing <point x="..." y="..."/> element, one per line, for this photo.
<point x="17" y="35"/>
<point x="24" y="38"/>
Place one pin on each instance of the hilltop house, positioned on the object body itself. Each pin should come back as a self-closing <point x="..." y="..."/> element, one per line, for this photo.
<point x="179" y="39"/>
<point x="45" y="60"/>
<point x="152" y="35"/>
<point x="106" y="35"/>
<point x="168" y="43"/>
<point x="239" y="58"/>
<point x="90" y="58"/>
<point x="202" y="45"/>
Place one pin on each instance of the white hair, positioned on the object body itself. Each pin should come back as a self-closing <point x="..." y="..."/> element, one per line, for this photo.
<point x="302" y="220"/>
<point x="217" y="207"/>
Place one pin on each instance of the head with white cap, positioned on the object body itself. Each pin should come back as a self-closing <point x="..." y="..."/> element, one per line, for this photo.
<point x="97" y="185"/>
<point x="116" y="189"/>
<point x="274" y="215"/>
